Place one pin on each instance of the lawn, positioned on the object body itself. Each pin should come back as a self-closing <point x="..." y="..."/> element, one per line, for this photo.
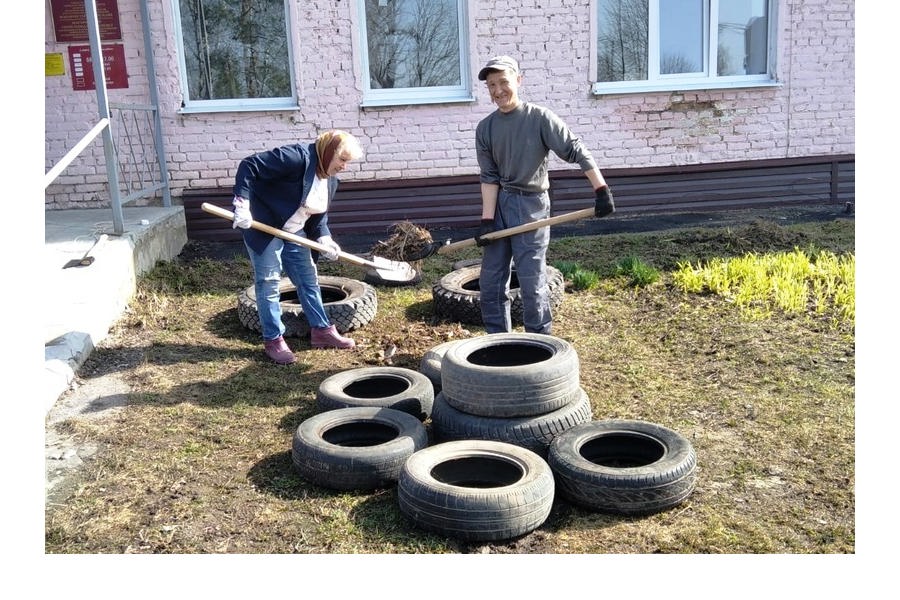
<point x="198" y="460"/>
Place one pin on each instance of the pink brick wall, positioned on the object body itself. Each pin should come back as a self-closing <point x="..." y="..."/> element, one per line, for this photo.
<point x="812" y="113"/>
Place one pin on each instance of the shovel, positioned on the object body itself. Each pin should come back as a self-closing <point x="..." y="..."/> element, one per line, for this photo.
<point x="448" y="247"/>
<point x="388" y="270"/>
<point x="87" y="259"/>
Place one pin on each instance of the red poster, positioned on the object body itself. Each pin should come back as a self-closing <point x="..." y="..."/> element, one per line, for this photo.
<point x="70" y="20"/>
<point x="82" y="67"/>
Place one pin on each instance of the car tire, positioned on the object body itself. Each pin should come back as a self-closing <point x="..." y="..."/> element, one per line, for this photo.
<point x="476" y="490"/>
<point x="358" y="448"/>
<point x="510" y="374"/>
<point x="623" y="467"/>
<point x="457" y="295"/>
<point x="349" y="304"/>
<point x="430" y="365"/>
<point x="534" y="433"/>
<point x="379" y="387"/>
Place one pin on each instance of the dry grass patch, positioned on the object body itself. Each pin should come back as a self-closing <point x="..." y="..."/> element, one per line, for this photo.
<point x="199" y="459"/>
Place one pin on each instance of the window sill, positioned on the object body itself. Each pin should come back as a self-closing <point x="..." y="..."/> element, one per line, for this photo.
<point x="388" y="102"/>
<point x="232" y="107"/>
<point x="605" y="89"/>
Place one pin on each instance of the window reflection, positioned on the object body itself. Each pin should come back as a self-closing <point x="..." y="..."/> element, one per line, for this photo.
<point x="622" y="40"/>
<point x="412" y="43"/>
<point x="743" y="37"/>
<point x="681" y="36"/>
<point x="235" y="50"/>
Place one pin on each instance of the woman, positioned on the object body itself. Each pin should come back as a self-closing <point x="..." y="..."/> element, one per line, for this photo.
<point x="291" y="188"/>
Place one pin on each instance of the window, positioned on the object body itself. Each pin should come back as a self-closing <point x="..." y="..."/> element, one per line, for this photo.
<point x="414" y="51"/>
<point x="655" y="45"/>
<point x="234" y="55"/>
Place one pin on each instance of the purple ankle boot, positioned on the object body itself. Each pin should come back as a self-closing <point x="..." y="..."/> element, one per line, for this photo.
<point x="328" y="337"/>
<point x="278" y="351"/>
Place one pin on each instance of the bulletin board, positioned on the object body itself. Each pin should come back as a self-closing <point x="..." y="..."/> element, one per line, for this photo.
<point x="82" y="68"/>
<point x="70" y="20"/>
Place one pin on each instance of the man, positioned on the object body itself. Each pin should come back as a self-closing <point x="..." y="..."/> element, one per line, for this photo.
<point x="513" y="145"/>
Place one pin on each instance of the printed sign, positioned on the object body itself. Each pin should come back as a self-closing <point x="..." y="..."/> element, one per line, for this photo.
<point x="54" y="64"/>
<point x="82" y="67"/>
<point x="70" y="20"/>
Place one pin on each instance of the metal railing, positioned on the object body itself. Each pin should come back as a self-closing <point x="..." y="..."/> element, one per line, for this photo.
<point x="125" y="152"/>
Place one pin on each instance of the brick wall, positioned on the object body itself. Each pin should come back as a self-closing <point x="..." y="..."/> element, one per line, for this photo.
<point x="812" y="113"/>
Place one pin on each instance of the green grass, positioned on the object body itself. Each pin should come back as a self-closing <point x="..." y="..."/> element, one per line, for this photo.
<point x="794" y="282"/>
<point x="636" y="271"/>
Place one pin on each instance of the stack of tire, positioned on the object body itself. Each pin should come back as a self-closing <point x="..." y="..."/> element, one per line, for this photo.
<point x="494" y="472"/>
<point x="372" y="421"/>
<point x="519" y="388"/>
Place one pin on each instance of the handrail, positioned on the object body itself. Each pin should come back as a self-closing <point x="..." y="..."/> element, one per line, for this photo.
<point x="104" y="127"/>
<point x="64" y="162"/>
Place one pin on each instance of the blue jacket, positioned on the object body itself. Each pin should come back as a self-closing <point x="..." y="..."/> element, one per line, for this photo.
<point x="276" y="183"/>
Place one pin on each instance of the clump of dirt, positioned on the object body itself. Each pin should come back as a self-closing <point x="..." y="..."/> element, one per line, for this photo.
<point x="406" y="240"/>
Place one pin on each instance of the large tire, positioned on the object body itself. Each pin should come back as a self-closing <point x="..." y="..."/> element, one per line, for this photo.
<point x="476" y="490"/>
<point x="623" y="467"/>
<point x="465" y="262"/>
<point x="430" y="365"/>
<point x="457" y="296"/>
<point x="349" y="304"/>
<point x="510" y="374"/>
<point x="380" y="387"/>
<point x="356" y="448"/>
<point x="534" y="433"/>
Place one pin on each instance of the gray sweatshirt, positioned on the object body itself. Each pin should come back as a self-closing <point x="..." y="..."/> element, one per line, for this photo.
<point x="513" y="148"/>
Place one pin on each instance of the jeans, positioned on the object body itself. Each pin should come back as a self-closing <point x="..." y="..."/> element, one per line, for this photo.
<point x="528" y="251"/>
<point x="298" y="265"/>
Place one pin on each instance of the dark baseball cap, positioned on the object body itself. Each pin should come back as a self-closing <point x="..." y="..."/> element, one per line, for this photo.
<point x="498" y="63"/>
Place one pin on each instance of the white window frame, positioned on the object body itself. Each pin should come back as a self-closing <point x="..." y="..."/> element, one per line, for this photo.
<point x="705" y="80"/>
<point x="234" y="104"/>
<point x="418" y="95"/>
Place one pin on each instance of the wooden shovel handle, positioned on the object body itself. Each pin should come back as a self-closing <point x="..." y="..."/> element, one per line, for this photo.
<point x="577" y="215"/>
<point x="290" y="237"/>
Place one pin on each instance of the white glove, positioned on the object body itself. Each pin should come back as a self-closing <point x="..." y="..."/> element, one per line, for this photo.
<point x="326" y="240"/>
<point x="242" y="216"/>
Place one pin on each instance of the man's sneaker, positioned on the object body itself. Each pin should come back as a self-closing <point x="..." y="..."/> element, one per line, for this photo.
<point x="278" y="351"/>
<point x="328" y="337"/>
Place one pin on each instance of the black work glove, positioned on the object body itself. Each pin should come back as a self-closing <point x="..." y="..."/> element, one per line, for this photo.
<point x="487" y="226"/>
<point x="603" y="205"/>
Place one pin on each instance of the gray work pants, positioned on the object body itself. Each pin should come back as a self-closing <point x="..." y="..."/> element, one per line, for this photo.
<point x="528" y="251"/>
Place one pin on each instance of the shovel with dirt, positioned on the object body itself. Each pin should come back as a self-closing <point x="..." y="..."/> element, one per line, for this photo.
<point x="389" y="270"/>
<point x="423" y="250"/>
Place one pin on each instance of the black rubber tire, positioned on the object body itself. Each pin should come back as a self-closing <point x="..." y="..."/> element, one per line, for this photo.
<point x="457" y="296"/>
<point x="465" y="262"/>
<point x="349" y="304"/>
<point x="430" y="365"/>
<point x="476" y="490"/>
<point x="623" y="467"/>
<point x="534" y="433"/>
<point x="358" y="448"/>
<point x="510" y="374"/>
<point x="380" y="387"/>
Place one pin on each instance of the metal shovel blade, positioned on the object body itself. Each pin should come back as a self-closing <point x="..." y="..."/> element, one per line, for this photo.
<point x="79" y="262"/>
<point x="86" y="260"/>
<point x="391" y="270"/>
